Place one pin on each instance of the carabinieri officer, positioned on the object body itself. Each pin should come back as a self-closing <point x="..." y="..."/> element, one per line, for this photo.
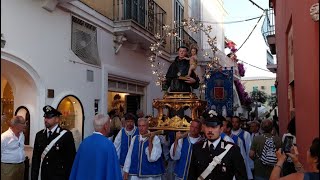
<point x="214" y="158"/>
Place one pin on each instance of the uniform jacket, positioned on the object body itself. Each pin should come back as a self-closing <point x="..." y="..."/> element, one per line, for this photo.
<point x="58" y="162"/>
<point x="231" y="165"/>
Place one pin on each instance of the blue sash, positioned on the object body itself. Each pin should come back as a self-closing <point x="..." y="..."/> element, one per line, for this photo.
<point x="181" y="169"/>
<point x="125" y="144"/>
<point x="140" y="166"/>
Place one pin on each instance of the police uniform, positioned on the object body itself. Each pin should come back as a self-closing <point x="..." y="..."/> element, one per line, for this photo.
<point x="58" y="161"/>
<point x="232" y="164"/>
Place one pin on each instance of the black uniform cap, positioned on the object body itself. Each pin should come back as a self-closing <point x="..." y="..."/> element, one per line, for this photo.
<point x="50" y="112"/>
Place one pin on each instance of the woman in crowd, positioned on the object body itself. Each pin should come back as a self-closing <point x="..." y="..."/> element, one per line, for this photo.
<point x="312" y="160"/>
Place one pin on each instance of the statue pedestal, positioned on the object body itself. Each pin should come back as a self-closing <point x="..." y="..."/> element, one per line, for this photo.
<point x="176" y="101"/>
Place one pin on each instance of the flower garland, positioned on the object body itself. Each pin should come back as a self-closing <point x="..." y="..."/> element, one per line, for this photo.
<point x="244" y="97"/>
<point x="241" y="69"/>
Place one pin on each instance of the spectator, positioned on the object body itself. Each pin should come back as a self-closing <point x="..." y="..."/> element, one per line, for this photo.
<point x="254" y="128"/>
<point x="288" y="166"/>
<point x="262" y="171"/>
<point x="116" y="123"/>
<point x="312" y="160"/>
<point x="12" y="150"/>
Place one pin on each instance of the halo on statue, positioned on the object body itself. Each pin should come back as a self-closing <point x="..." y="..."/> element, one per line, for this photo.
<point x="157" y="66"/>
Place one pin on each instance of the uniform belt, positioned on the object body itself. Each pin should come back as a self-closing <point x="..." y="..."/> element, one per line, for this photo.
<point x="12" y="163"/>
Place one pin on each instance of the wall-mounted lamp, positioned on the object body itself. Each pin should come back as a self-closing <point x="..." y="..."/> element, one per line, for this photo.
<point x="3" y="42"/>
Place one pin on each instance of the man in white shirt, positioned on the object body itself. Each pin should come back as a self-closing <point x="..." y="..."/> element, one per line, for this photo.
<point x="124" y="137"/>
<point x="12" y="150"/>
<point x="181" y="149"/>
<point x="246" y="139"/>
<point x="143" y="161"/>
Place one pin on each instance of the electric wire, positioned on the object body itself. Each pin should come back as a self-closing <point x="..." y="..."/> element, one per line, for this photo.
<point x="230" y="22"/>
<point x="250" y="33"/>
<point x="257" y="5"/>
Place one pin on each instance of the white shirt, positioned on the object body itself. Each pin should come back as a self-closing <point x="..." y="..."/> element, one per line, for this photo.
<point x="52" y="130"/>
<point x="117" y="140"/>
<point x="12" y="147"/>
<point x="177" y="154"/>
<point x="215" y="143"/>
<point x="155" y="155"/>
<point x="228" y="138"/>
<point x="247" y="138"/>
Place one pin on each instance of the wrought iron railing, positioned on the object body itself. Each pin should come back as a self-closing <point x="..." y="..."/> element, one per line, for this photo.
<point x="186" y="40"/>
<point x="146" y="13"/>
<point x="268" y="26"/>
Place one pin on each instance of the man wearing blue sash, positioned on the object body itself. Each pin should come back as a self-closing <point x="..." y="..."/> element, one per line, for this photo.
<point x="143" y="161"/>
<point x="246" y="140"/>
<point x="124" y="137"/>
<point x="227" y="126"/>
<point x="181" y="150"/>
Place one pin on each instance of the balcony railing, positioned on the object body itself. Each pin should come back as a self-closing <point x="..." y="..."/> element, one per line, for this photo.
<point x="146" y="13"/>
<point x="268" y="30"/>
<point x="268" y="27"/>
<point x="186" y="40"/>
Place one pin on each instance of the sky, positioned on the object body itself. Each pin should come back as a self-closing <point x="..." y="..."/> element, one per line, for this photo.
<point x="254" y="50"/>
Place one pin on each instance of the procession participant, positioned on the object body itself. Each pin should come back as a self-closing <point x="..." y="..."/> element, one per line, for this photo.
<point x="143" y="161"/>
<point x="100" y="162"/>
<point x="123" y="139"/>
<point x="214" y="158"/>
<point x="54" y="149"/>
<point x="246" y="141"/>
<point x="181" y="149"/>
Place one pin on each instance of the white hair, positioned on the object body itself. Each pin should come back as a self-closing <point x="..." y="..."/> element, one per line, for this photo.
<point x="143" y="119"/>
<point x="99" y="121"/>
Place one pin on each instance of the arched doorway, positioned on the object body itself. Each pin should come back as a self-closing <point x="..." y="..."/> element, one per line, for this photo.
<point x="72" y="116"/>
<point x="27" y="89"/>
<point x="24" y="112"/>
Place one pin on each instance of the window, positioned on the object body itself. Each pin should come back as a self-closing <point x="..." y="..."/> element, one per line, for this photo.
<point x="255" y="88"/>
<point x="262" y="87"/>
<point x="273" y="90"/>
<point x="178" y="17"/>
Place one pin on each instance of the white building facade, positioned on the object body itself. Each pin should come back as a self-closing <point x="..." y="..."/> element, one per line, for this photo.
<point x="76" y="59"/>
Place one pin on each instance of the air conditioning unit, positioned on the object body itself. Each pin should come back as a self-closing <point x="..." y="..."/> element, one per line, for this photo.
<point x="84" y="41"/>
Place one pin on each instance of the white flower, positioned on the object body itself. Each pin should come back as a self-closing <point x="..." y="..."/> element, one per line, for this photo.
<point x="212" y="113"/>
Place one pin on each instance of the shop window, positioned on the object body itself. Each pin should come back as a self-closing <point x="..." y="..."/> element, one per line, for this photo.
<point x="72" y="114"/>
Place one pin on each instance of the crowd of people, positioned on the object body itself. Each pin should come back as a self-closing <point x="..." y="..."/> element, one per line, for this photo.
<point x="215" y="147"/>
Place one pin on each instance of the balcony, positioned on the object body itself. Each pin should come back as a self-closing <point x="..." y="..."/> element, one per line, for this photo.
<point x="270" y="63"/>
<point x="186" y="40"/>
<point x="138" y="20"/>
<point x="268" y="30"/>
